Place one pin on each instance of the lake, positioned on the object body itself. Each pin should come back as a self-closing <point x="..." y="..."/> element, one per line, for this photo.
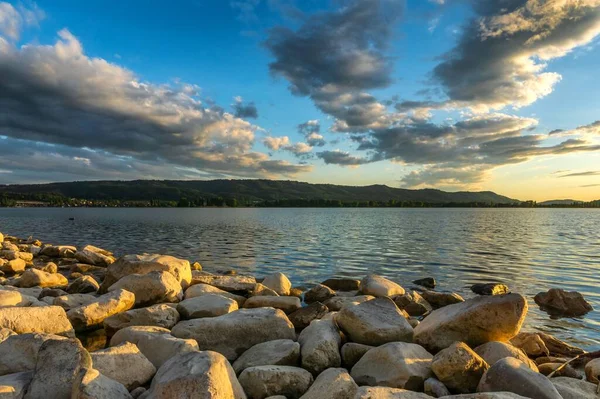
<point x="530" y="250"/>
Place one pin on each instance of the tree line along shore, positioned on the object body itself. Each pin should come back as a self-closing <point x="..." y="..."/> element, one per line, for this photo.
<point x="84" y="323"/>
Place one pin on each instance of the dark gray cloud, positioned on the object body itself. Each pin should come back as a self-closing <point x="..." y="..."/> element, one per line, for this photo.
<point x="311" y="130"/>
<point x="337" y="157"/>
<point x="583" y="174"/>
<point x="245" y="111"/>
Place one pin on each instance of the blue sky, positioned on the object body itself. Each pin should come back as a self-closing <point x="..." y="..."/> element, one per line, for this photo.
<point x="454" y="94"/>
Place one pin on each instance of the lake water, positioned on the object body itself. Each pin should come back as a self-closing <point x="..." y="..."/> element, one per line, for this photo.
<point x="530" y="250"/>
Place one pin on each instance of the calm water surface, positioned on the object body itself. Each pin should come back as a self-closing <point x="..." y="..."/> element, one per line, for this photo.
<point x="530" y="250"/>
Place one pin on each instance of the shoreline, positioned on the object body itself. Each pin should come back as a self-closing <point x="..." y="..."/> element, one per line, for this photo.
<point x="355" y="337"/>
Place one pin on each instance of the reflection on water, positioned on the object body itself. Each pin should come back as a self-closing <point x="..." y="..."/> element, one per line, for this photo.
<point x="530" y="250"/>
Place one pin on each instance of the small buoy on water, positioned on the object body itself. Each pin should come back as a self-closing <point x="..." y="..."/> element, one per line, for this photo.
<point x="71" y="218"/>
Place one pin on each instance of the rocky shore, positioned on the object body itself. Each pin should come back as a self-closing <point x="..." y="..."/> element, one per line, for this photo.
<point x="80" y="323"/>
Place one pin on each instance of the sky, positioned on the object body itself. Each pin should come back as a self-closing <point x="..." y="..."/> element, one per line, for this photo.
<point x="475" y="95"/>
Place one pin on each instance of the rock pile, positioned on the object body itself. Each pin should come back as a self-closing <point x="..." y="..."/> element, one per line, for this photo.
<point x="80" y="323"/>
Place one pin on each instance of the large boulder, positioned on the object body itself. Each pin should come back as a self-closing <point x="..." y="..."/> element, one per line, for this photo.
<point x="156" y="343"/>
<point x="512" y="375"/>
<point x="320" y="346"/>
<point x="279" y="352"/>
<point x="150" y="288"/>
<point x="288" y="304"/>
<point x="279" y="283"/>
<point x="198" y="375"/>
<point x="352" y="352"/>
<point x="91" y="384"/>
<point x="571" y="388"/>
<point x="395" y="365"/>
<point x="211" y="305"/>
<point x="92" y="315"/>
<point x="302" y="317"/>
<point x="563" y="303"/>
<point x="236" y="332"/>
<point x="197" y="290"/>
<point x="260" y="382"/>
<point x="143" y="264"/>
<point x="19" y="353"/>
<point x="14" y="386"/>
<point x="378" y="286"/>
<point x="57" y="369"/>
<point x="161" y="315"/>
<point x="125" y="364"/>
<point x="459" y="368"/>
<point x="45" y="319"/>
<point x="334" y="383"/>
<point x="39" y="278"/>
<point x="374" y="322"/>
<point x="475" y="322"/>
<point x="493" y="351"/>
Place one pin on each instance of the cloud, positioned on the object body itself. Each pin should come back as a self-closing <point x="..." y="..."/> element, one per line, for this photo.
<point x="338" y="157"/>
<point x="13" y="20"/>
<point x="56" y="94"/>
<point x="583" y="174"/>
<point x="593" y="129"/>
<point x="284" y="144"/>
<point x="311" y="131"/>
<point x="244" y="110"/>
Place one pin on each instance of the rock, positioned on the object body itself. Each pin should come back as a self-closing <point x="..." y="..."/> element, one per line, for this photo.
<point x="18" y="353"/>
<point x="279" y="352"/>
<point x="13" y="298"/>
<point x="93" y="340"/>
<point x="334" y="383"/>
<point x="161" y="315"/>
<point x="459" y="368"/>
<point x="262" y="290"/>
<point x="378" y="286"/>
<point x="39" y="278"/>
<point x="48" y="267"/>
<point x="592" y="370"/>
<point x="490" y="289"/>
<point x="440" y="299"/>
<point x="558" y="370"/>
<point x="319" y="293"/>
<point x="14" y="386"/>
<point x="387" y="393"/>
<point x="352" y="352"/>
<point x="57" y="251"/>
<point x="151" y="288"/>
<point x="144" y="264"/>
<point x="475" y="322"/>
<point x="47" y="319"/>
<point x="338" y="302"/>
<point x="92" y="315"/>
<point x="297" y="292"/>
<point x="156" y="343"/>
<point x="68" y="302"/>
<point x="205" y="289"/>
<point x="427" y="282"/>
<point x="33" y="291"/>
<point x="435" y="388"/>
<point x="125" y="364"/>
<point x="13" y="266"/>
<point x="196" y="266"/>
<point x="93" y="258"/>
<point x="302" y="317"/>
<point x="138" y="392"/>
<point x="570" y="388"/>
<point x="512" y="375"/>
<point x="236" y="332"/>
<point x="535" y="344"/>
<point x="5" y="333"/>
<point x="342" y="284"/>
<point x="52" y="292"/>
<point x="374" y="322"/>
<point x="395" y="365"/>
<point x="493" y="351"/>
<point x="227" y="283"/>
<point x="486" y="395"/>
<point x="279" y="283"/>
<point x="198" y="375"/>
<point x="83" y="285"/>
<point x="210" y="305"/>
<point x="412" y="303"/>
<point x="320" y="346"/>
<point x="91" y="384"/>
<point x="288" y="304"/>
<point x="57" y="369"/>
<point x="260" y="382"/>
<point x="563" y="303"/>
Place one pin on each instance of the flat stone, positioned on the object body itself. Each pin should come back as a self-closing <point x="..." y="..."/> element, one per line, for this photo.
<point x="39" y="278"/>
<point x="342" y="284"/>
<point x="490" y="289"/>
<point x="278" y="282"/>
<point x="320" y="346"/>
<point x="161" y="315"/>
<point x="318" y="293"/>
<point x="378" y="286"/>
<point x="90" y="257"/>
<point x="14" y="386"/>
<point x="262" y="381"/>
<point x="374" y="322"/>
<point x="236" y="332"/>
<point x="125" y="364"/>
<point x="92" y="315"/>
<point x="338" y="302"/>
<point x="91" y="384"/>
<point x="288" y="304"/>
<point x="475" y="322"/>
<point x="150" y="288"/>
<point x="459" y="368"/>
<point x="47" y="319"/>
<point x="395" y="365"/>
<point x="493" y="351"/>
<point x="210" y="305"/>
<point x="200" y="289"/>
<point x="302" y="317"/>
<point x="352" y="352"/>
<point x="512" y="375"/>
<point x="228" y="283"/>
<point x="563" y="303"/>
<point x="333" y="383"/>
<point x="279" y="352"/>
<point x="440" y="299"/>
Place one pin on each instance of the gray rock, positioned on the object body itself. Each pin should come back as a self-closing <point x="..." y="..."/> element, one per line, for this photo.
<point x="197" y="290"/>
<point x="334" y="383"/>
<point x="125" y="364"/>
<point x="302" y="317"/>
<point x="92" y="315"/>
<point x="378" y="286"/>
<point x="236" y="332"/>
<point x="161" y="315"/>
<point x="493" y="351"/>
<point x="68" y="302"/>
<point x="227" y="283"/>
<point x="14" y="386"/>
<point x="571" y="388"/>
<point x="459" y="368"/>
<point x="435" y="388"/>
<point x="440" y="299"/>
<point x="412" y="303"/>
<point x="278" y="282"/>
<point x="395" y="365"/>
<point x="288" y="304"/>
<point x="320" y="346"/>
<point x="388" y="393"/>
<point x="279" y="352"/>
<point x="210" y="305"/>
<point x="538" y="344"/>
<point x="150" y="288"/>
<point x="47" y="319"/>
<point x="563" y="303"/>
<point x="86" y="255"/>
<point x="91" y="384"/>
<point x="512" y="375"/>
<point x="19" y="353"/>
<point x="592" y="371"/>
<point x="352" y="352"/>
<point x="338" y="302"/>
<point x="262" y="381"/>
<point x="374" y="322"/>
<point x="318" y="293"/>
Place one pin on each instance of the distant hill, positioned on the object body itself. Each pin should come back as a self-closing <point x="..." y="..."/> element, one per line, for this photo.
<point x="244" y="191"/>
<point x="560" y="202"/>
